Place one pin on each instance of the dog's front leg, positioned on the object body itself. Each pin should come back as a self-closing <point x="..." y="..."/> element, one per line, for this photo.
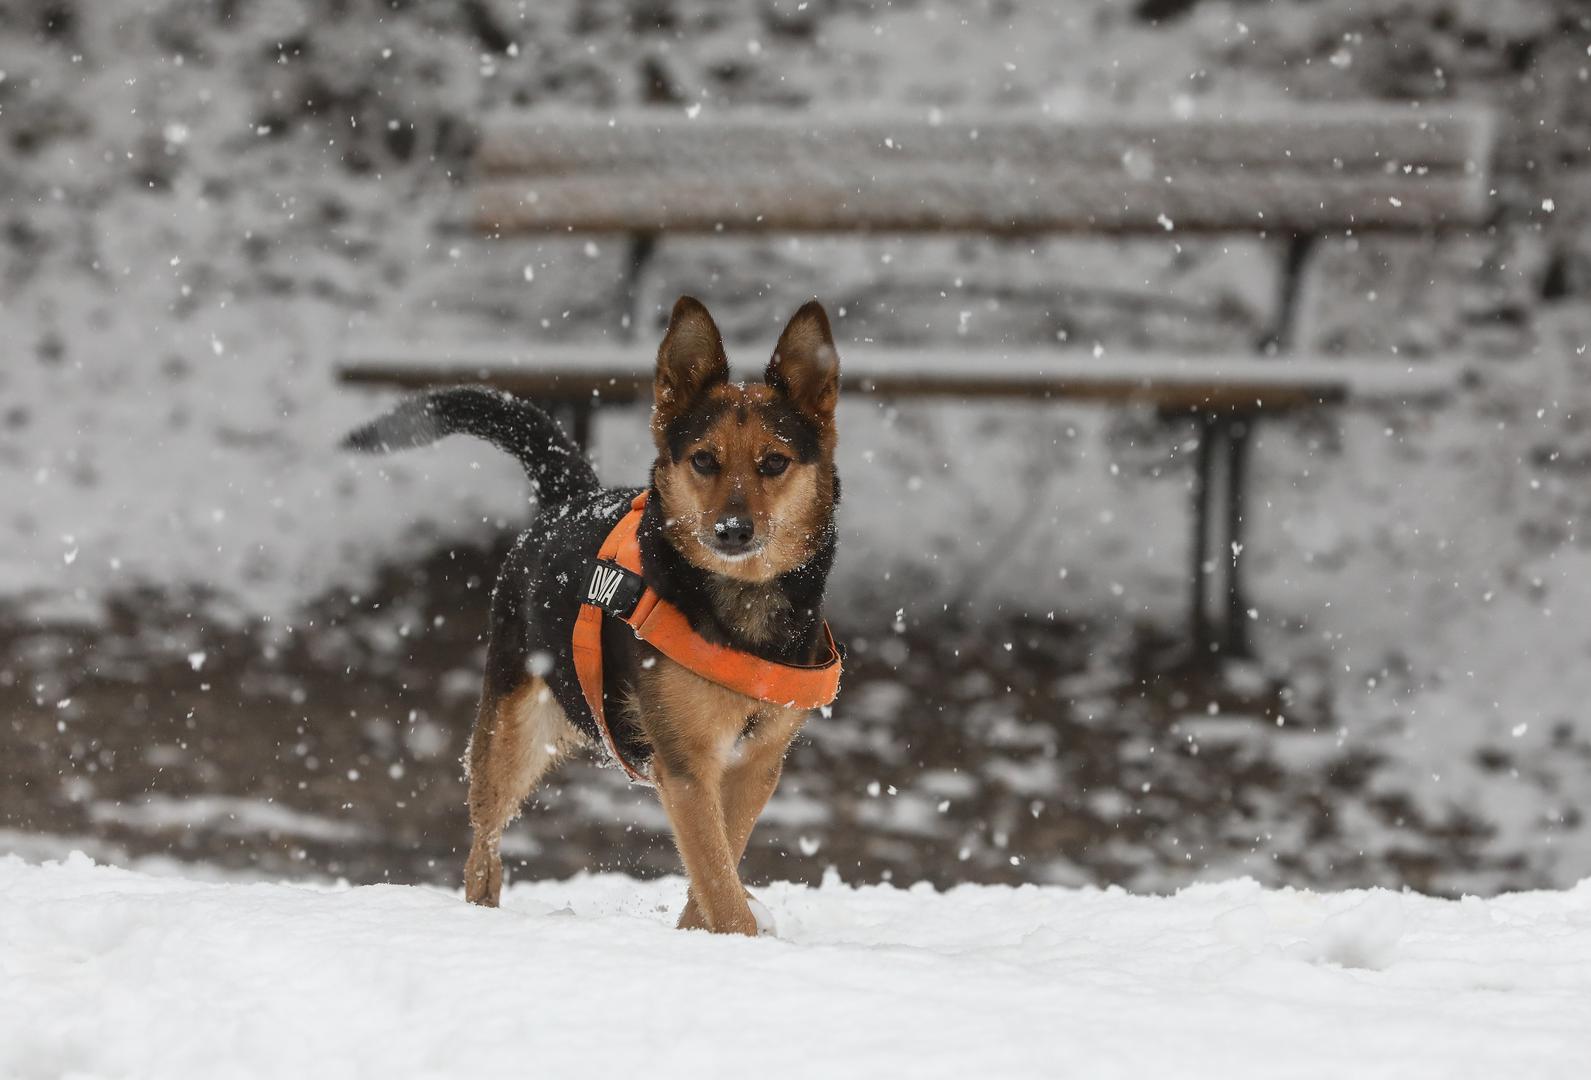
<point x="747" y="786"/>
<point x="696" y="812"/>
<point x="745" y="793"/>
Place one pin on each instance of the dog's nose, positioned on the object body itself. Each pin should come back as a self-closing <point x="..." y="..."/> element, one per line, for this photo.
<point x="732" y="534"/>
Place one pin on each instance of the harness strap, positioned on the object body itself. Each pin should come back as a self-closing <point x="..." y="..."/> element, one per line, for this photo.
<point x="664" y="627"/>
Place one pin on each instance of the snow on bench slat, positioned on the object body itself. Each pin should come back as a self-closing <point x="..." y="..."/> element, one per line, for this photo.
<point x="1308" y="168"/>
<point x="619" y="373"/>
<point x="1301" y="137"/>
<point x="106" y="972"/>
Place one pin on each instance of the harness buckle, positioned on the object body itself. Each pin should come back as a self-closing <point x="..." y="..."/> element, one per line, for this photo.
<point x="612" y="588"/>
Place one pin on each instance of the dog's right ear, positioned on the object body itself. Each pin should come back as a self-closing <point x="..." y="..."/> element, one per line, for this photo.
<point x="691" y="359"/>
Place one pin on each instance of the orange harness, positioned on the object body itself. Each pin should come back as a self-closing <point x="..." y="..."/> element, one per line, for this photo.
<point x="615" y="586"/>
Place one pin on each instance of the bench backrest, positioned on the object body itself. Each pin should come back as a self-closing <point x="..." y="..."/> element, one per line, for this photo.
<point x="1298" y="170"/>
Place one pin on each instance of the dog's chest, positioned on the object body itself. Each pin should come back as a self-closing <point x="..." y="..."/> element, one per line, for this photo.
<point x="760" y="612"/>
<point x="686" y="716"/>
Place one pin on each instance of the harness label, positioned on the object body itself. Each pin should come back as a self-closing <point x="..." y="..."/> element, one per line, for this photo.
<point x="613" y="588"/>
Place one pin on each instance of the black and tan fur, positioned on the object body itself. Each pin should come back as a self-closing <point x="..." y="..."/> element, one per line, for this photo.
<point x="738" y="533"/>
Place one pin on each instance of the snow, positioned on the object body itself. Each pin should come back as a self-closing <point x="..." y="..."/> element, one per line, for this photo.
<point x="109" y="972"/>
<point x="223" y="813"/>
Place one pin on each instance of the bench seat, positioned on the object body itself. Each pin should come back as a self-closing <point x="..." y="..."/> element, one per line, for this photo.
<point x="1244" y="383"/>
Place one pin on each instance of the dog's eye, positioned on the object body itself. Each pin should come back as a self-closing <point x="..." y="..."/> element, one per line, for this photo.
<point x="705" y="462"/>
<point x="773" y="465"/>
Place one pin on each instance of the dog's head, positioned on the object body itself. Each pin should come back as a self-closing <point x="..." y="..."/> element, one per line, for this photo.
<point x="745" y="471"/>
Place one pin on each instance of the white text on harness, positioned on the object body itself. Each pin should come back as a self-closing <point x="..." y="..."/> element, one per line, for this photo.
<point x="604" y="583"/>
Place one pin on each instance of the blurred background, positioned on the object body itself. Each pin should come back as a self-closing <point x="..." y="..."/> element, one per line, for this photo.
<point x="225" y="645"/>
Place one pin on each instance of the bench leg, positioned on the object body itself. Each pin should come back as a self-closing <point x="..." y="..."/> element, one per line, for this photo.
<point x="1239" y="438"/>
<point x="580" y="417"/>
<point x="575" y="419"/>
<point x="1220" y="628"/>
<point x="1232" y="435"/>
<point x="1203" y="482"/>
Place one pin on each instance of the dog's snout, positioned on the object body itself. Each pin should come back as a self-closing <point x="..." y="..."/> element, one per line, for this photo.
<point x="733" y="533"/>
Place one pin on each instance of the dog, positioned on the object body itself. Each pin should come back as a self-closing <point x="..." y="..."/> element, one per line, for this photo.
<point x="735" y="532"/>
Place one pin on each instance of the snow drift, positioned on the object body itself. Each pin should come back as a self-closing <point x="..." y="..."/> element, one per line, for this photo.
<point x="107" y="972"/>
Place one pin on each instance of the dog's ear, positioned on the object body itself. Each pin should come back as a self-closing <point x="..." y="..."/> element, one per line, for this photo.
<point x="690" y="360"/>
<point x="806" y="367"/>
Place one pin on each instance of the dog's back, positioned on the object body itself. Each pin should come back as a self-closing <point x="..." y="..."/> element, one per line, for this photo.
<point x="534" y="607"/>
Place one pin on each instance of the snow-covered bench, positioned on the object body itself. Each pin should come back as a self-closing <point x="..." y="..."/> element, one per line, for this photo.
<point x="1293" y="174"/>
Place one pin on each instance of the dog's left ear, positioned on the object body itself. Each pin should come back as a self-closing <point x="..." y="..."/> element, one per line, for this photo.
<point x="806" y="367"/>
<point x="690" y="359"/>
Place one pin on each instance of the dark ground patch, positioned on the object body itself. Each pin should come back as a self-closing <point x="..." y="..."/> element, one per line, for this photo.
<point x="1005" y="750"/>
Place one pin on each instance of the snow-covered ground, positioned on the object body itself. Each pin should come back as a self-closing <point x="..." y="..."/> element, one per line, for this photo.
<point x="107" y="972"/>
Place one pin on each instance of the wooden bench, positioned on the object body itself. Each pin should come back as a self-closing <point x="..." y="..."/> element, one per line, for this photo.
<point x="1293" y="175"/>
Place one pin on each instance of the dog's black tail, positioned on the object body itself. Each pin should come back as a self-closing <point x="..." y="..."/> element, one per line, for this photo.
<point x="553" y="461"/>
